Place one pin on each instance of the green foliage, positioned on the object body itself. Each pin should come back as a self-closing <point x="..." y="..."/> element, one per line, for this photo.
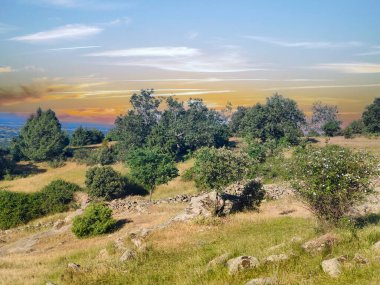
<point x="42" y="138"/>
<point x="150" y="168"/>
<point x="95" y="220"/>
<point x="57" y="196"/>
<point x="331" y="179"/>
<point x="83" y="136"/>
<point x="371" y="117"/>
<point x="84" y="156"/>
<point x="322" y="114"/>
<point x="105" y="155"/>
<point x="216" y="168"/>
<point x="6" y="164"/>
<point x="279" y="118"/>
<point x="20" y="208"/>
<point x="332" y="128"/>
<point x="104" y="182"/>
<point x="357" y="127"/>
<point x="252" y="195"/>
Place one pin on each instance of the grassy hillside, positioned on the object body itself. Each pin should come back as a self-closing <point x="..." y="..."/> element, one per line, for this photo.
<point x="178" y="254"/>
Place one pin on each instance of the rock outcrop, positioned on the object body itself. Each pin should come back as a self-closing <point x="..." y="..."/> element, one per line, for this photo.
<point x="242" y="263"/>
<point x="320" y="243"/>
<point x="332" y="267"/>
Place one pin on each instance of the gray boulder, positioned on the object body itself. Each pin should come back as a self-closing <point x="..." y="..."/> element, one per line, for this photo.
<point x="219" y="260"/>
<point x="242" y="263"/>
<point x="73" y="266"/>
<point x="128" y="255"/>
<point x="276" y="258"/>
<point x="262" y="281"/>
<point x="332" y="267"/>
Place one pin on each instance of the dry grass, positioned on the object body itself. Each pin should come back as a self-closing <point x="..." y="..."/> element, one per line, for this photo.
<point x="362" y="143"/>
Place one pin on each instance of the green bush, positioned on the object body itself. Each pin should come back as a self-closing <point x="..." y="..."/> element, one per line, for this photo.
<point x="57" y="196"/>
<point x="331" y="179"/>
<point x="95" y="220"/>
<point x="215" y="168"/>
<point x="84" y="156"/>
<point x="104" y="182"/>
<point x="332" y="128"/>
<point x="84" y="136"/>
<point x="105" y="155"/>
<point x="20" y="208"/>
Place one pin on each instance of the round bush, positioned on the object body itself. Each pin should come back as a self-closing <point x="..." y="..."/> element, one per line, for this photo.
<point x="331" y="179"/>
<point x="95" y="220"/>
<point x="104" y="182"/>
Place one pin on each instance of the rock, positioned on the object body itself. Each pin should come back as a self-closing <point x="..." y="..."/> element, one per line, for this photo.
<point x="320" y="243"/>
<point x="295" y="239"/>
<point x="50" y="283"/>
<point x="58" y="224"/>
<point x="145" y="232"/>
<point x="128" y="255"/>
<point x="103" y="254"/>
<point x="219" y="260"/>
<point x="359" y="259"/>
<point x="275" y="192"/>
<point x="242" y="263"/>
<point x="119" y="244"/>
<point x="276" y="258"/>
<point x="233" y="199"/>
<point x="262" y="281"/>
<point x="73" y="266"/>
<point x="376" y="246"/>
<point x="332" y="267"/>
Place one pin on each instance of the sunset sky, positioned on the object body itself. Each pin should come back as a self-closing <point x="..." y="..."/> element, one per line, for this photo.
<point x="84" y="58"/>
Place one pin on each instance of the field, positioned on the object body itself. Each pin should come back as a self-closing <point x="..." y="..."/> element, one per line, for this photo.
<point x="179" y="253"/>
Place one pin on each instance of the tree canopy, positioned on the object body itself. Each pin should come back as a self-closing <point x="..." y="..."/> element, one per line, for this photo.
<point x="83" y="136"/>
<point x="371" y="117"/>
<point x="42" y="138"/>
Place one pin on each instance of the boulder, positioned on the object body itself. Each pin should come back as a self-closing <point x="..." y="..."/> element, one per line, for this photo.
<point x="332" y="267"/>
<point x="376" y="246"/>
<point x="359" y="259"/>
<point x="262" y="281"/>
<point x="242" y="263"/>
<point x="276" y="258"/>
<point x="219" y="260"/>
<point x="234" y="198"/>
<point x="50" y="283"/>
<point x="103" y="254"/>
<point x="73" y="266"/>
<point x="128" y="255"/>
<point x="320" y="243"/>
<point x="58" y="224"/>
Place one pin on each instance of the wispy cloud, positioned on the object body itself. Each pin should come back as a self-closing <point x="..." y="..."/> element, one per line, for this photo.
<point x="5" y="28"/>
<point x="361" y="67"/>
<point x="305" y="44"/>
<point x="192" y="35"/>
<point x="5" y="69"/>
<point x="149" y="52"/>
<point x="320" y="87"/>
<point x="375" y="51"/>
<point x="72" y="48"/>
<point x="75" y="31"/>
<point x="85" y="4"/>
<point x="215" y="79"/>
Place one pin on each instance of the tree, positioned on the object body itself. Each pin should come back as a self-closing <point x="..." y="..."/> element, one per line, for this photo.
<point x="356" y="127"/>
<point x="133" y="129"/>
<point x="322" y="115"/>
<point x="280" y="118"/>
<point x="371" y="117"/>
<point x="83" y="136"/>
<point x="216" y="168"/>
<point x="42" y="137"/>
<point x="104" y="182"/>
<point x="151" y="168"/>
<point x="6" y="163"/>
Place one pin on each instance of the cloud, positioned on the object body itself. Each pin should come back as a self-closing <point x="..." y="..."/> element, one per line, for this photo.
<point x="75" y="31"/>
<point x="5" y="28"/>
<point x="192" y="35"/>
<point x="321" y="87"/>
<point x="215" y="79"/>
<point x="375" y="51"/>
<point x="23" y="93"/>
<point x="309" y="44"/>
<point x="5" y="69"/>
<point x="85" y="4"/>
<point x="149" y="52"/>
<point x="72" y="48"/>
<point x="361" y="67"/>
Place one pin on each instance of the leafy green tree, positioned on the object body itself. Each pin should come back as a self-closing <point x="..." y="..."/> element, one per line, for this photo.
<point x="371" y="117"/>
<point x="83" y="136"/>
<point x="132" y="130"/>
<point x="151" y="168"/>
<point x="95" y="220"/>
<point x="216" y="168"/>
<point x="105" y="182"/>
<point x="332" y="128"/>
<point x="6" y="163"/>
<point x="280" y="118"/>
<point x="42" y="137"/>
<point x="356" y="127"/>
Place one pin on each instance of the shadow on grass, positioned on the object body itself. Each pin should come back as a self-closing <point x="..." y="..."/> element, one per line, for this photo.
<point x="24" y="170"/>
<point x="133" y="188"/>
<point x="370" y="219"/>
<point x="120" y="223"/>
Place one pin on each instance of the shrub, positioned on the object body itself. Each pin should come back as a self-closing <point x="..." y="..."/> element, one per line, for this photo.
<point x="83" y="136"/>
<point x="371" y="117"/>
<point x="216" y="168"/>
<point x="84" y="156"/>
<point x="104" y="182"/>
<point x="105" y="155"/>
<point x="57" y="196"/>
<point x="95" y="220"/>
<point x="332" y="128"/>
<point x="20" y="208"/>
<point x="331" y="179"/>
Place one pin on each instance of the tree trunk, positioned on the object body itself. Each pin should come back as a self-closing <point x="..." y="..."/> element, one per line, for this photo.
<point x="150" y="194"/>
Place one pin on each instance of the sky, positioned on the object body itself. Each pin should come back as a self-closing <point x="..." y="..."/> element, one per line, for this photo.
<point x="85" y="58"/>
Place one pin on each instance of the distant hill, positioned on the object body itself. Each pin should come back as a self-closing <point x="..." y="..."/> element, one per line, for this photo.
<point x="10" y="125"/>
